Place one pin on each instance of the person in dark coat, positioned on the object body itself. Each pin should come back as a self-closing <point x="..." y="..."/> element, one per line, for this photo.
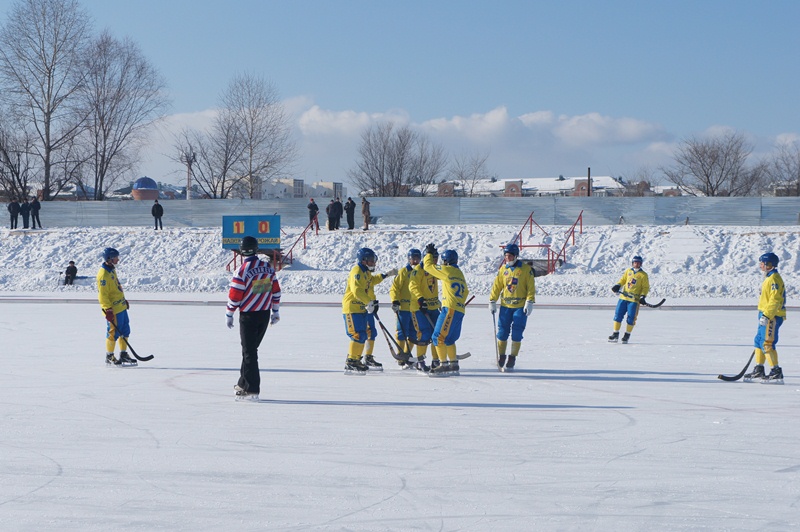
<point x="35" y="208"/>
<point x="70" y="273"/>
<point x="337" y="218"/>
<point x="350" y="209"/>
<point x="13" y="210"/>
<point x="25" y="211"/>
<point x="157" y="211"/>
<point x="365" y="212"/>
<point x="330" y="210"/>
<point x="313" y="210"/>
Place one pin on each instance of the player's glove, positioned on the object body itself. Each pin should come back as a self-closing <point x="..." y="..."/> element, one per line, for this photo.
<point x="109" y="315"/>
<point x="275" y="317"/>
<point x="372" y="306"/>
<point x="528" y="308"/>
<point x="229" y="320"/>
<point x="390" y="273"/>
<point x="616" y="288"/>
<point x="395" y="306"/>
<point x="493" y="307"/>
<point x="423" y="305"/>
<point x="763" y="320"/>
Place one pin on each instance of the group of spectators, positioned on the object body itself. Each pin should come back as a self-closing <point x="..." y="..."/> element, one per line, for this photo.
<point x="28" y="210"/>
<point x="334" y="210"/>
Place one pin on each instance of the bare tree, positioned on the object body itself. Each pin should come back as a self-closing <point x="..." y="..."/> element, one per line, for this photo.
<point x="716" y="166"/>
<point x="217" y="152"/>
<point x="264" y="130"/>
<point x="784" y="170"/>
<point x="394" y="159"/>
<point x="124" y="94"/>
<point x="429" y="165"/>
<point x="41" y="45"/>
<point x="17" y="164"/>
<point x="468" y="170"/>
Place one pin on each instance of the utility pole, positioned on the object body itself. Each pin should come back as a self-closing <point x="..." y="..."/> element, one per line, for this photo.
<point x="589" y="178"/>
<point x="188" y="158"/>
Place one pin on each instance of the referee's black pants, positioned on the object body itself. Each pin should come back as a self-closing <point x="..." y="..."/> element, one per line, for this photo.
<point x="252" y="327"/>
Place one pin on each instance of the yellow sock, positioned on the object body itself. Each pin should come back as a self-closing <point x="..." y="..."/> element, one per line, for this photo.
<point x="369" y="345"/>
<point x="628" y="328"/>
<point x="772" y="356"/>
<point x="355" y="350"/>
<point x="501" y="346"/>
<point x="435" y="353"/>
<point x="421" y="350"/>
<point x="617" y="326"/>
<point x="451" y="353"/>
<point x="515" y="348"/>
<point x="760" y="358"/>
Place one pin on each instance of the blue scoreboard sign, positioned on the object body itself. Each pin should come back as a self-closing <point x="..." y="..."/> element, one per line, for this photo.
<point x="266" y="229"/>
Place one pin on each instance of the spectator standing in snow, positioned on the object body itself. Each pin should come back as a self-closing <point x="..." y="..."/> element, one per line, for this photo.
<point x="255" y="291"/>
<point x="365" y="212"/>
<point x="350" y="209"/>
<point x="157" y="211"/>
<point x="35" y="208"/>
<point x="13" y="210"/>
<point x="313" y="211"/>
<point x="25" y="211"/>
<point x="337" y="213"/>
<point x="330" y="210"/>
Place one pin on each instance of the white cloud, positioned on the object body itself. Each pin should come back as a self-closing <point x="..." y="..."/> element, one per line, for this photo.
<point x="596" y="129"/>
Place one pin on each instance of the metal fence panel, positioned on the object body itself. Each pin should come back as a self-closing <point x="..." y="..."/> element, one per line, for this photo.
<point x="442" y="211"/>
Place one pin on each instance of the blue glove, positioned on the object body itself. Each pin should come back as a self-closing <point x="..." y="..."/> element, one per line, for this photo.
<point x="229" y="320"/>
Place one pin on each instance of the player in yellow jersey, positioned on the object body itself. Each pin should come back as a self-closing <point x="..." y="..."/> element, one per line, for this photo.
<point x="454" y="296"/>
<point x="632" y="287"/>
<point x="115" y="308"/>
<point x="358" y="308"/>
<point x="400" y="294"/>
<point x="771" y="315"/>
<point x="516" y="288"/>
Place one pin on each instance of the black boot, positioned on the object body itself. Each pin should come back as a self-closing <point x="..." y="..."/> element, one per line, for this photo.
<point x="626" y="337"/>
<point x="614" y="336"/>
<point x="757" y="373"/>
<point x="501" y="361"/>
<point x="510" y="363"/>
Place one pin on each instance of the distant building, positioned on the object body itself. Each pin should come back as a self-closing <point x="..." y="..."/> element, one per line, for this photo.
<point x="144" y="188"/>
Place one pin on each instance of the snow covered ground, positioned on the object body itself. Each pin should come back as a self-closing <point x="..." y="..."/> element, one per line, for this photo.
<point x="586" y="435"/>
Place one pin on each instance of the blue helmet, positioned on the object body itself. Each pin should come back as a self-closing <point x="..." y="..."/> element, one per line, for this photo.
<point x="637" y="258"/>
<point x="450" y="257"/>
<point x="110" y="253"/>
<point x="513" y="249"/>
<point x="366" y="254"/>
<point x="414" y="253"/>
<point x="769" y="258"/>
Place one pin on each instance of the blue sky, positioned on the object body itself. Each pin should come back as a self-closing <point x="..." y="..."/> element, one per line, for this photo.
<point x="545" y="87"/>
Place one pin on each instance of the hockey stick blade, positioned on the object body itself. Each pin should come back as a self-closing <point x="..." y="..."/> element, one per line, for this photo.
<point x="462" y="356"/>
<point x="734" y="378"/>
<point x="653" y="305"/>
<point x="136" y="356"/>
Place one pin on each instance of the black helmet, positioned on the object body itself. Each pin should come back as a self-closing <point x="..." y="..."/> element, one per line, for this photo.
<point x="248" y="247"/>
